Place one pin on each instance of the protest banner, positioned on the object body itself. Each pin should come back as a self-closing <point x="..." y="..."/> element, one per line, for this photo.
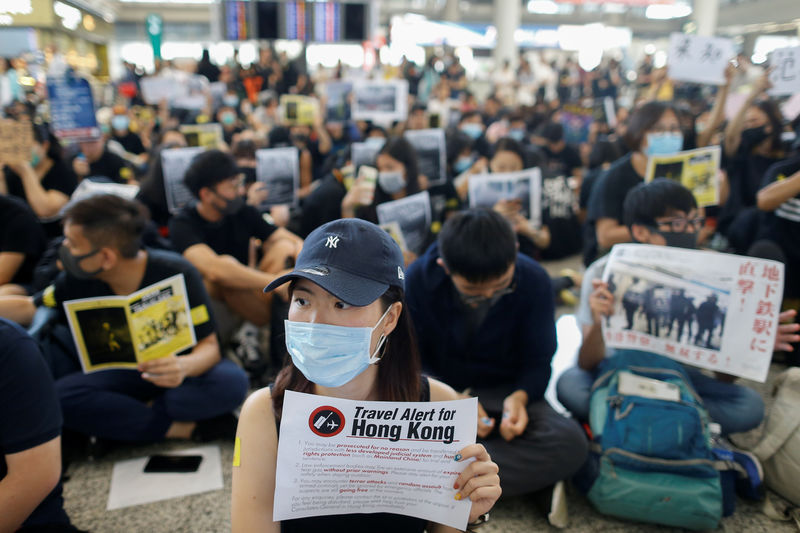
<point x="705" y="309"/>
<point x="699" y="59"/>
<point x="298" y="110"/>
<point x="380" y="101"/>
<point x="174" y="163"/>
<point x="365" y="153"/>
<point x="339" y="456"/>
<point x="697" y="170"/>
<point x="337" y="104"/>
<point x="279" y="170"/>
<point x="576" y="120"/>
<point x="122" y="331"/>
<point x="431" y="153"/>
<point x="785" y="75"/>
<point x="205" y="135"/>
<point x="16" y="141"/>
<point x="485" y="190"/>
<point x="413" y="215"/>
<point x="72" y="108"/>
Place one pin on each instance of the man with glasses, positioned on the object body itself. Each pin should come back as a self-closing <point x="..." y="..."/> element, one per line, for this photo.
<point x="484" y="318"/>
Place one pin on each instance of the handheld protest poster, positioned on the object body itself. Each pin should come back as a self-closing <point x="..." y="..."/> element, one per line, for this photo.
<point x="577" y="121"/>
<point x="174" y="163"/>
<point x="699" y="59"/>
<point x="785" y="75"/>
<point x="339" y="456"/>
<point x="72" y="108"/>
<point x="393" y="229"/>
<point x="279" y="170"/>
<point x="705" y="309"/>
<point x="205" y="135"/>
<point x="16" y="141"/>
<point x="365" y="153"/>
<point x="88" y="187"/>
<point x="196" y="95"/>
<point x="156" y="89"/>
<point x="524" y="187"/>
<point x="697" y="170"/>
<point x="380" y="101"/>
<point x="337" y="104"/>
<point x="122" y="331"/>
<point x="413" y="215"/>
<point x="298" y="110"/>
<point x="431" y="153"/>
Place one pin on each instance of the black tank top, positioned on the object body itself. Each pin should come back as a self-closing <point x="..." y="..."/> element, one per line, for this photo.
<point x="362" y="522"/>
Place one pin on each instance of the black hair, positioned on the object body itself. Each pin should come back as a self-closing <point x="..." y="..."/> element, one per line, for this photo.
<point x="43" y="134"/>
<point x="643" y="119"/>
<point x="648" y="201"/>
<point x="110" y="220"/>
<point x="209" y="168"/>
<point x="553" y="132"/>
<point x="478" y="244"/>
<point x="279" y="136"/>
<point x="469" y="114"/>
<point x="457" y="141"/>
<point x="417" y="107"/>
<point x="604" y="151"/>
<point x="507" y="144"/>
<point x="775" y="118"/>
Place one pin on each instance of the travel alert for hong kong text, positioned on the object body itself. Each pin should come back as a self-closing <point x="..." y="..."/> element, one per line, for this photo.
<point x="363" y="427"/>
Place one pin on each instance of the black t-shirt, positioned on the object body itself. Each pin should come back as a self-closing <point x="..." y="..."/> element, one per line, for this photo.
<point x="558" y="214"/>
<point x="784" y="224"/>
<point x="619" y="180"/>
<point x="111" y="166"/>
<point x="60" y="177"/>
<point x="745" y="174"/>
<point x="229" y="236"/>
<point x="324" y="204"/>
<point x="564" y="162"/>
<point x="21" y="232"/>
<point x="161" y="265"/>
<point x="29" y="412"/>
<point x="131" y="142"/>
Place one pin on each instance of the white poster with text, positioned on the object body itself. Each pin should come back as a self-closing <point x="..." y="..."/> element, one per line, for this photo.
<point x="698" y="59"/>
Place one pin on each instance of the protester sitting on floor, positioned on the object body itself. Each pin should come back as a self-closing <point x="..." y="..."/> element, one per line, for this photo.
<point x="663" y="213"/>
<point x="22" y="242"/>
<point x="484" y="319"/>
<point x="353" y="285"/>
<point x="188" y="395"/>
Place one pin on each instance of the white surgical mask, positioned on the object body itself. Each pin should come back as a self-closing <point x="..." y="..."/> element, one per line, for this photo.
<point x="391" y="182"/>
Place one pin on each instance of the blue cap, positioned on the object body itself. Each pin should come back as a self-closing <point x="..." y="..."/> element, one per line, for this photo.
<point x="352" y="259"/>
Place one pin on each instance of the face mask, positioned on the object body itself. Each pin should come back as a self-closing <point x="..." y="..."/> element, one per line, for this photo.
<point x="462" y="164"/>
<point x="120" y="123"/>
<point x="230" y="100"/>
<point x="753" y="136"/>
<point x="391" y="182"/>
<point x="331" y="355"/>
<point x="299" y="138"/>
<point x="35" y="158"/>
<point x="472" y="130"/>
<point x="376" y="142"/>
<point x="517" y="135"/>
<point x="228" y="118"/>
<point x="664" y="143"/>
<point x="72" y="263"/>
<point x="231" y="206"/>
<point x="680" y="239"/>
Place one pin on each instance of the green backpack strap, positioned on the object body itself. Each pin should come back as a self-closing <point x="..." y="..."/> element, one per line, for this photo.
<point x="785" y="411"/>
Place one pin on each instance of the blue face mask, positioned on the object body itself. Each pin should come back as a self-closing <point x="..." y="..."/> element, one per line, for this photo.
<point x="375" y="142"/>
<point x="462" y="164"/>
<point x="230" y="100"/>
<point x="120" y="123"/>
<point x="664" y="143"/>
<point x="329" y="355"/>
<point x="391" y="182"/>
<point x="473" y="130"/>
<point x="517" y="134"/>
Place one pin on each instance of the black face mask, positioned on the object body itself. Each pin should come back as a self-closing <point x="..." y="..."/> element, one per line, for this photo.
<point x="680" y="239"/>
<point x="299" y="138"/>
<point x="72" y="263"/>
<point x="751" y="137"/>
<point x="231" y="206"/>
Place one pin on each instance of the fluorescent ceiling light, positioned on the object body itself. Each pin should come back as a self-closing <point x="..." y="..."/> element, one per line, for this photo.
<point x="665" y="11"/>
<point x="543" y="7"/>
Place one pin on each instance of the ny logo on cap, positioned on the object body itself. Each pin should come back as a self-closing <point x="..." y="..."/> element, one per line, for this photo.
<point x="332" y="241"/>
<point x="400" y="274"/>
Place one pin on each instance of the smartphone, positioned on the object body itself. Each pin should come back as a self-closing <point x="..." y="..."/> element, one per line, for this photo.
<point x="176" y="464"/>
<point x="291" y="111"/>
<point x="434" y="121"/>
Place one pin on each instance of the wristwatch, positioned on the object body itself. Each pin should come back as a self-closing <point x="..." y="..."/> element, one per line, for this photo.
<point x="482" y="519"/>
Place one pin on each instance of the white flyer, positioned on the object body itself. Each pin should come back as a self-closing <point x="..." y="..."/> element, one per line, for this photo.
<point x="174" y="162"/>
<point x="699" y="59"/>
<point x="785" y="75"/>
<point x="485" y="190"/>
<point x="413" y="215"/>
<point x="380" y="101"/>
<point x="279" y="169"/>
<point x="705" y="309"/>
<point x="431" y="150"/>
<point x="340" y="456"/>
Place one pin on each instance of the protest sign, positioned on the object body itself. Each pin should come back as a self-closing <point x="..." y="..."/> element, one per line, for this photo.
<point x="72" y="108"/>
<point x="88" y="187"/>
<point x="413" y="215"/>
<point x="279" y="170"/>
<point x="337" y="104"/>
<point x="174" y="163"/>
<point x="122" y="331"/>
<point x="205" y="135"/>
<point x="156" y="89"/>
<point x="380" y="101"/>
<point x="431" y="153"/>
<point x="16" y="141"/>
<point x="393" y="229"/>
<point x="576" y="120"/>
<point x="699" y="59"/>
<point x="705" y="309"/>
<point x="485" y="190"/>
<point x="365" y="153"/>
<point x="785" y="75"/>
<point x="299" y="110"/>
<point x="696" y="170"/>
<point x="339" y="456"/>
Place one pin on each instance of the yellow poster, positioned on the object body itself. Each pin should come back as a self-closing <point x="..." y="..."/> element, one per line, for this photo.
<point x="697" y="170"/>
<point x="205" y="135"/>
<point x="123" y="331"/>
<point x="299" y="110"/>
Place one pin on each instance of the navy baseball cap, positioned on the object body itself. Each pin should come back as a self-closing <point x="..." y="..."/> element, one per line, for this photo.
<point x="352" y="259"/>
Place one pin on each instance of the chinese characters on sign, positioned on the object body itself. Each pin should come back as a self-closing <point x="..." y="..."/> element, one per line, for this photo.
<point x="697" y="59"/>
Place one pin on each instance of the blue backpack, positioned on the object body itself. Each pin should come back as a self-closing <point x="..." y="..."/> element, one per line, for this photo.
<point x="653" y="460"/>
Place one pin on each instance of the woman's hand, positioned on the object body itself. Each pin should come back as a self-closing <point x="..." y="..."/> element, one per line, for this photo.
<point x="479" y="481"/>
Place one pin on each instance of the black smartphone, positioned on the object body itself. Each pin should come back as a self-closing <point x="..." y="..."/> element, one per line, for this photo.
<point x="291" y="111"/>
<point x="181" y="464"/>
<point x="434" y="121"/>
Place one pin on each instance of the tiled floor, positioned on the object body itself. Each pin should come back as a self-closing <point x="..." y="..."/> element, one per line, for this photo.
<point x="86" y="492"/>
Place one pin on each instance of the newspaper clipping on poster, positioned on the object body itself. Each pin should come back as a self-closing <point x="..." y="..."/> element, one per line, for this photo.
<point x="431" y="153"/>
<point x="380" y="101"/>
<point x="205" y="135"/>
<point x="340" y="456"/>
<point x="705" y="309"/>
<point x="122" y="331"/>
<point x="16" y="141"/>
<point x="697" y="170"/>
<point x="699" y="59"/>
<point x="279" y="170"/>
<point x="413" y="215"/>
<point x="174" y="163"/>
<point x="525" y="187"/>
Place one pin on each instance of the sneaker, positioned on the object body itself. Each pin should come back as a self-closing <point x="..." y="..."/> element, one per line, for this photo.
<point x="552" y="502"/>
<point x="222" y="427"/>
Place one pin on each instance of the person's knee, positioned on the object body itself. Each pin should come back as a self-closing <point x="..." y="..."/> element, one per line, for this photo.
<point x="227" y="383"/>
<point x="747" y="413"/>
<point x="573" y="390"/>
